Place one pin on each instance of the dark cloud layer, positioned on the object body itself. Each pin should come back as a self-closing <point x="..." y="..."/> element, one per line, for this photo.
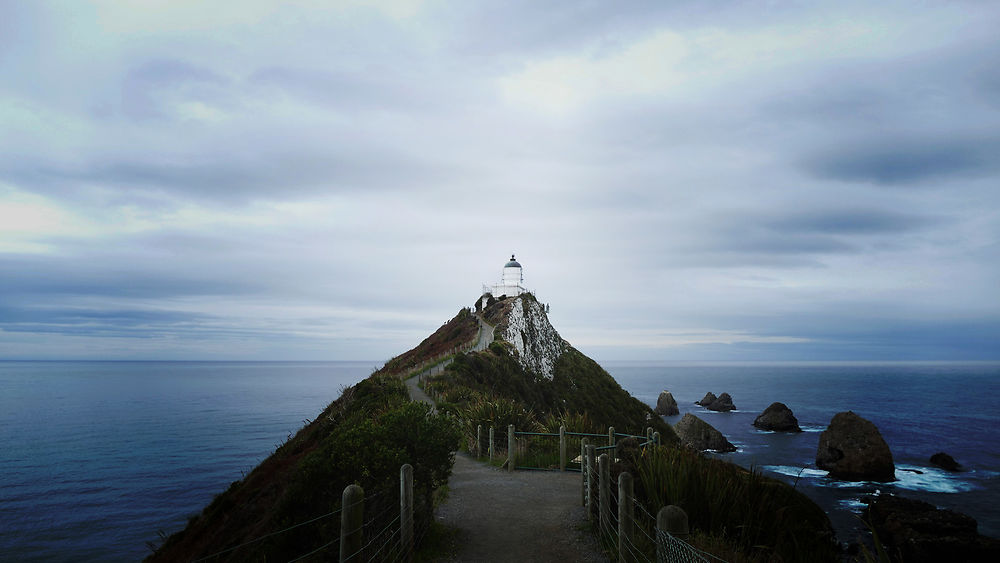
<point x="905" y="163"/>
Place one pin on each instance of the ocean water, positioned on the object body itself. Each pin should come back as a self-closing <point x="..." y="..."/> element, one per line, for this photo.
<point x="920" y="409"/>
<point x="97" y="457"/>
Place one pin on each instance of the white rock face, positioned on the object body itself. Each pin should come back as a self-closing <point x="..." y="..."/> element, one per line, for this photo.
<point x="538" y="345"/>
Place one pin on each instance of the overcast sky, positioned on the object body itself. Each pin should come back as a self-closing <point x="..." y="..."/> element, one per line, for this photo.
<point x="331" y="180"/>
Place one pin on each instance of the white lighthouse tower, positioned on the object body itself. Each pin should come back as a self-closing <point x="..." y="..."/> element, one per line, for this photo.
<point x="512" y="277"/>
<point x="511" y="282"/>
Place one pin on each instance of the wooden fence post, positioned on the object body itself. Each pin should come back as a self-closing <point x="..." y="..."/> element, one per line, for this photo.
<point x="604" y="484"/>
<point x="352" y="514"/>
<point x="656" y="438"/>
<point x="562" y="448"/>
<point x="491" y="444"/>
<point x="583" y="468"/>
<point x="406" y="511"/>
<point x="511" y="447"/>
<point x="625" y="516"/>
<point x="649" y="433"/>
<point x="591" y="479"/>
<point x="611" y="435"/>
<point x="479" y="441"/>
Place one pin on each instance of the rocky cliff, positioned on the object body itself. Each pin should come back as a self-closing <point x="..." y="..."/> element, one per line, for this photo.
<point x="526" y="326"/>
<point x="532" y="366"/>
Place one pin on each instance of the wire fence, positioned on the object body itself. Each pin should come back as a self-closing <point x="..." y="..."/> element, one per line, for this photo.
<point x="627" y="529"/>
<point x="373" y="527"/>
<point x="435" y="366"/>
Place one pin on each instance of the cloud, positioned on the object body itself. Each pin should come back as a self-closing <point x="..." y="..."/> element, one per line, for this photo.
<point x="851" y="221"/>
<point x="334" y="181"/>
<point x="904" y="162"/>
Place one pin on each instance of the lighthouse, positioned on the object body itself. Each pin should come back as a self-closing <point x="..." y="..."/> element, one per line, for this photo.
<point x="513" y="277"/>
<point x="511" y="280"/>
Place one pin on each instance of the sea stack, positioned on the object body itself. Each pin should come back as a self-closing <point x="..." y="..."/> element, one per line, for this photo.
<point x="666" y="405"/>
<point x="945" y="461"/>
<point x="852" y="449"/>
<point x="700" y="435"/>
<point x="724" y="403"/>
<point x="777" y="417"/>
<point x="707" y="400"/>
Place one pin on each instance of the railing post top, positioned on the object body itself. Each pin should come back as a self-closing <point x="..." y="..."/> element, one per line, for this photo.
<point x="674" y="520"/>
<point x="510" y="427"/>
<point x="352" y="493"/>
<point x="406" y="469"/>
<point x="624" y="478"/>
<point x="585" y="442"/>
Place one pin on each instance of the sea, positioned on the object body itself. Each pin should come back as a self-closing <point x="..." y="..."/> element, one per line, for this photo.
<point x="99" y="460"/>
<point x="919" y="408"/>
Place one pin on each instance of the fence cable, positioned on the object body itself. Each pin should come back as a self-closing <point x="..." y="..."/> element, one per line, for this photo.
<point x="265" y="536"/>
<point x="634" y="550"/>
<point x="315" y="551"/>
<point x="391" y="541"/>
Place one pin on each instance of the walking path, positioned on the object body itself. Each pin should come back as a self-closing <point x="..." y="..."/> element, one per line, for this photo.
<point x="417" y="394"/>
<point x="516" y="517"/>
<point x="519" y="516"/>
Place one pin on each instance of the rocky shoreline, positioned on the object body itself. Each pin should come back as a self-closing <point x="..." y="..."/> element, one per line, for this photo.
<point x="851" y="448"/>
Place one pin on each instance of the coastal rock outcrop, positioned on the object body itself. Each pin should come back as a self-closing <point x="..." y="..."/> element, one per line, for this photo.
<point x="852" y="448"/>
<point x="777" y="417"/>
<point x="707" y="400"/>
<point x="923" y="533"/>
<point x="724" y="403"/>
<point x="945" y="461"/>
<point x="527" y="328"/>
<point x="666" y="405"/>
<point x="698" y="434"/>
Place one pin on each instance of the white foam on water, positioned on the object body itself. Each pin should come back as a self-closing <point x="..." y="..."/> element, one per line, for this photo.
<point x="852" y="504"/>
<point x="792" y="471"/>
<point x="812" y="428"/>
<point x="931" y="479"/>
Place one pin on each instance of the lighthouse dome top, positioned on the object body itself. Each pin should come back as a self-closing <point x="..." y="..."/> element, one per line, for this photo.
<point x="512" y="264"/>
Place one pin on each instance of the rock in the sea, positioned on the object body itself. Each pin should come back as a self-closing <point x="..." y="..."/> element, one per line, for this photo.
<point x="707" y="400"/>
<point x="923" y="533"/>
<point x="852" y="448"/>
<point x="777" y="417"/>
<point x="724" y="403"/>
<point x="945" y="461"/>
<point x="666" y="405"/>
<point x="698" y="434"/>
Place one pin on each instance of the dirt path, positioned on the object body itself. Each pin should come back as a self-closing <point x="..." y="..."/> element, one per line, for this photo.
<point x="516" y="517"/>
<point x="520" y="516"/>
<point x="417" y="394"/>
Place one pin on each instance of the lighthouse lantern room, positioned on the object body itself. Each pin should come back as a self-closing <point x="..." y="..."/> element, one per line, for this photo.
<point x="511" y="282"/>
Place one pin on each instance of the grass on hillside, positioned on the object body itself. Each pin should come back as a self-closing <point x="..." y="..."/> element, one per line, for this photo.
<point x="761" y="518"/>
<point x="361" y="438"/>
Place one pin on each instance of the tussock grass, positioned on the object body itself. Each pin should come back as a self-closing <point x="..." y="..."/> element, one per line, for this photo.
<point x="759" y="517"/>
